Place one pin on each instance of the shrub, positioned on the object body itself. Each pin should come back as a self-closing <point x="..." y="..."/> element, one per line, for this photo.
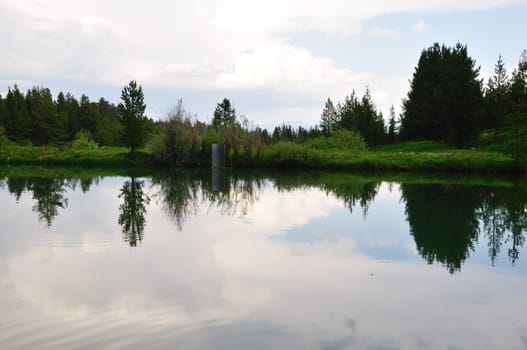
<point x="340" y="139"/>
<point x="286" y="153"/>
<point x="83" y="140"/>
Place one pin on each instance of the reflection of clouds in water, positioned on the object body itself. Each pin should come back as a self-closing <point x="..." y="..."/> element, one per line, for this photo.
<point x="277" y="211"/>
<point x="352" y="340"/>
<point x="259" y="292"/>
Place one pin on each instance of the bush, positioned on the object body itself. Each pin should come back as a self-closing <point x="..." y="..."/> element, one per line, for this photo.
<point x="340" y="139"/>
<point x="83" y="140"/>
<point x="286" y="154"/>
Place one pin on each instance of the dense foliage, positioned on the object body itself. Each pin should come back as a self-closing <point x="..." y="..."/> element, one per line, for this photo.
<point x="35" y="118"/>
<point x="445" y="99"/>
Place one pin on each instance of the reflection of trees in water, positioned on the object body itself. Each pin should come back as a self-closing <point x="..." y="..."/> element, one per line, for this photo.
<point x="503" y="213"/>
<point x="238" y="198"/>
<point x="48" y="192"/>
<point x="442" y="221"/>
<point x="352" y="190"/>
<point x="182" y="193"/>
<point x="49" y="196"/>
<point x="132" y="211"/>
<point x="446" y="220"/>
<point x="178" y="194"/>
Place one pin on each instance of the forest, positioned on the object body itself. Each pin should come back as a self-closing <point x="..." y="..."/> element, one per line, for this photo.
<point x="448" y="106"/>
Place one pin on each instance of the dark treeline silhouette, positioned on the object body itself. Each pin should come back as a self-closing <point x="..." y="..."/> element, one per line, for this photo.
<point x="354" y="114"/>
<point x="448" y="102"/>
<point x="36" y="118"/>
<point x="446" y="220"/>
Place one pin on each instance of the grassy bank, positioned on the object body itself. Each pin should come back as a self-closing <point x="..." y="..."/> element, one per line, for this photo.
<point x="413" y="156"/>
<point x="67" y="156"/>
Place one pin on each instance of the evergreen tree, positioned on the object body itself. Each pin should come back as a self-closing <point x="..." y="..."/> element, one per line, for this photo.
<point x="131" y="112"/>
<point x="361" y="116"/>
<point x="392" y="128"/>
<point x="107" y="128"/>
<point x="329" y="118"/>
<point x="46" y="126"/>
<point x="69" y="108"/>
<point x="348" y="112"/>
<point x="3" y="112"/>
<point x="17" y="123"/>
<point x="497" y="102"/>
<point x="445" y="98"/>
<point x="224" y="115"/>
<point x="516" y="131"/>
<point x="88" y="115"/>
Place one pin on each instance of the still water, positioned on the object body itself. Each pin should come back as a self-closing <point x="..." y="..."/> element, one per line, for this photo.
<point x="227" y="260"/>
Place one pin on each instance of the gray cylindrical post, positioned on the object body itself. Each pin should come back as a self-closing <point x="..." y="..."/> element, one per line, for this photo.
<point x="218" y="180"/>
<point x="218" y="155"/>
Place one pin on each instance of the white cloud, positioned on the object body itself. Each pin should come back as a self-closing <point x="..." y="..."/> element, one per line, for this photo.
<point x="389" y="33"/>
<point x="205" y="45"/>
<point x="419" y="27"/>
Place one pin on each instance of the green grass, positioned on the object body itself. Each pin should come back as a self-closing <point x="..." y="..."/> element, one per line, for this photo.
<point x="54" y="155"/>
<point x="422" y="156"/>
<point x="415" y="146"/>
<point x="413" y="156"/>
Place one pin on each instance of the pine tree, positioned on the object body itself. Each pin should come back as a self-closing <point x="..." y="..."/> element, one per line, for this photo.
<point x="516" y="131"/>
<point x="46" y="126"/>
<point x="17" y="123"/>
<point x="329" y="118"/>
<point x="445" y="98"/>
<point x="392" y="128"/>
<point x="131" y="112"/>
<point x="224" y="115"/>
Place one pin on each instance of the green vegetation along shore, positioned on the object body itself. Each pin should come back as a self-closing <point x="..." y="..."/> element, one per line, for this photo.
<point x="450" y="122"/>
<point x="424" y="156"/>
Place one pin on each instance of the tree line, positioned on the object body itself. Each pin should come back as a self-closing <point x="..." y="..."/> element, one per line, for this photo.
<point x="38" y="119"/>
<point x="447" y="102"/>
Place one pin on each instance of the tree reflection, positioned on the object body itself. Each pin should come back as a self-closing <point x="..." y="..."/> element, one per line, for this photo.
<point x="132" y="211"/>
<point x="183" y="192"/>
<point x="446" y="220"/>
<point x="503" y="213"/>
<point x="49" y="196"/>
<point x="352" y="190"/>
<point x="442" y="221"/>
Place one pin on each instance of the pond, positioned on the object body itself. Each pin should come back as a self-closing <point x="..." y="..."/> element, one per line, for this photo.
<point x="246" y="260"/>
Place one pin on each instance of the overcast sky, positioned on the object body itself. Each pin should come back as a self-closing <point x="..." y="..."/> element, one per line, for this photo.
<point x="277" y="60"/>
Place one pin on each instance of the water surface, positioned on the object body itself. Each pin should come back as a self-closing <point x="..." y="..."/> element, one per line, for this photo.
<point x="228" y="260"/>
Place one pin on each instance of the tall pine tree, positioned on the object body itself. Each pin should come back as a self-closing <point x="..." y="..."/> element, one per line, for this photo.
<point x="132" y="113"/>
<point x="445" y="98"/>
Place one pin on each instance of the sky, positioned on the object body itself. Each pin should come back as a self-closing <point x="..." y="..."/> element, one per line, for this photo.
<point x="276" y="60"/>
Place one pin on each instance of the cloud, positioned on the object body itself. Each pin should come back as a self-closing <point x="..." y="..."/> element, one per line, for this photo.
<point x="388" y="33"/>
<point x="419" y="27"/>
<point x="215" y="45"/>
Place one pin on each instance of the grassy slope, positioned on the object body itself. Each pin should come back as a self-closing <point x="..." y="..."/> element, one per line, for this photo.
<point x="410" y="156"/>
